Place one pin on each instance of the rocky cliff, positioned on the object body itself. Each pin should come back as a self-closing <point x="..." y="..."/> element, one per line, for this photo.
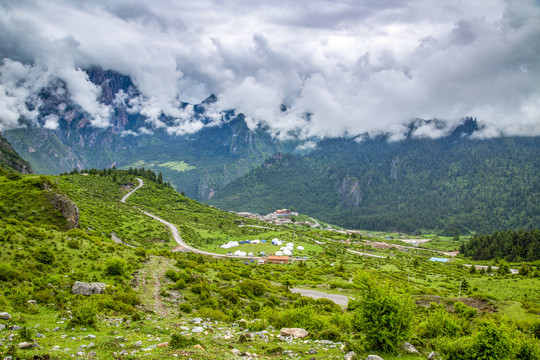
<point x="11" y="160"/>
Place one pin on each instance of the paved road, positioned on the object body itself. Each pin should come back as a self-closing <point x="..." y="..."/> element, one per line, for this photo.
<point x="338" y="299"/>
<point x="132" y="191"/>
<point x="366" y="254"/>
<point x="316" y="222"/>
<point x="182" y="246"/>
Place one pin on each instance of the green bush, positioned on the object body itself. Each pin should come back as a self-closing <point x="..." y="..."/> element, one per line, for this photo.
<point x="83" y="315"/>
<point x="115" y="266"/>
<point x="25" y="333"/>
<point x="6" y="272"/>
<point x="73" y="244"/>
<point x="179" y="341"/>
<point x="439" y="323"/>
<point x="185" y="308"/>
<point x="383" y="316"/>
<point x="44" y="255"/>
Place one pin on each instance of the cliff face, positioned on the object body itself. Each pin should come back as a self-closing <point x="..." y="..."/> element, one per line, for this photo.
<point x="62" y="203"/>
<point x="10" y="159"/>
<point x="349" y="192"/>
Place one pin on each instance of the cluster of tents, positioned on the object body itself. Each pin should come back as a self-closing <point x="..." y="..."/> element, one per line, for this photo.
<point x="286" y="250"/>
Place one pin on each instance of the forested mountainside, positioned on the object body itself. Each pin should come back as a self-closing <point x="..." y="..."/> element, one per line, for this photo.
<point x="449" y="185"/>
<point x="199" y="164"/>
<point x="11" y="160"/>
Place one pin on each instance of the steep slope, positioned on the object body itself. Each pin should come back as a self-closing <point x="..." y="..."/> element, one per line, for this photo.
<point x="454" y="183"/>
<point x="221" y="152"/>
<point x="10" y="160"/>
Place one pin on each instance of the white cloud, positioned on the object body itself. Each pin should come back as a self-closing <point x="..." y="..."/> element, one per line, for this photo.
<point x="51" y="122"/>
<point x="354" y="67"/>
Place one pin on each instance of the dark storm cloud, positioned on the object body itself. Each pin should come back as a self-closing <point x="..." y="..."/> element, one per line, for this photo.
<point x="355" y="66"/>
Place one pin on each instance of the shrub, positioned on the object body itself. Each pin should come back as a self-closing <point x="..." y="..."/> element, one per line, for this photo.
<point x="115" y="266"/>
<point x="73" y="244"/>
<point x="83" y="315"/>
<point x="179" y="341"/>
<point x="384" y="316"/>
<point x="172" y="275"/>
<point x="140" y="252"/>
<point x="185" y="308"/>
<point x="491" y="342"/>
<point x="5" y="272"/>
<point x="464" y="311"/>
<point x="439" y="323"/>
<point x="25" y="333"/>
<point x="44" y="255"/>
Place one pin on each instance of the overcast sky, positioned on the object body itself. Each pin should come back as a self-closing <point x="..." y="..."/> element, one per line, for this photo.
<point x="355" y="66"/>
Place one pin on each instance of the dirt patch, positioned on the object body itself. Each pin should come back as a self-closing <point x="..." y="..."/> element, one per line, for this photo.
<point x="479" y="304"/>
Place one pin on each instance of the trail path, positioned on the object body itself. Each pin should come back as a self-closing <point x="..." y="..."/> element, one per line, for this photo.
<point x="182" y="246"/>
<point x="316" y="222"/>
<point x="338" y="299"/>
<point x="149" y="284"/>
<point x="366" y="254"/>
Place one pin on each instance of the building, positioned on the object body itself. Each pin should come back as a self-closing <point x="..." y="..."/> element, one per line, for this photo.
<point x="277" y="259"/>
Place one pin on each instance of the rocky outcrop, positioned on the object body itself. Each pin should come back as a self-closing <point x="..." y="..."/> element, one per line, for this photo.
<point x="5" y="316"/>
<point x="62" y="203"/>
<point x="294" y="332"/>
<point x="349" y="192"/>
<point x="88" y="289"/>
<point x="207" y="187"/>
<point x="10" y="159"/>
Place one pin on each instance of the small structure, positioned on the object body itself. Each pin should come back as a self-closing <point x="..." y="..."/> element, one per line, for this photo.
<point x="278" y="259"/>
<point x="436" y="259"/>
<point x="261" y="262"/>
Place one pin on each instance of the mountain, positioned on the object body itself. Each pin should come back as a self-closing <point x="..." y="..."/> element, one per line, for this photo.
<point x="198" y="164"/>
<point x="449" y="185"/>
<point x="10" y="160"/>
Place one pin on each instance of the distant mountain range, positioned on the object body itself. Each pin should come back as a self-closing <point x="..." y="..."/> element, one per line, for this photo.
<point x="198" y="164"/>
<point x="452" y="184"/>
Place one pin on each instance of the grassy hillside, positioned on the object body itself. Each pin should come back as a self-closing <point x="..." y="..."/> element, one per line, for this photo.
<point x="207" y="308"/>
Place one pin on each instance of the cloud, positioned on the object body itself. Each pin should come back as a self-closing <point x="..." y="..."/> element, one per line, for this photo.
<point x="339" y="67"/>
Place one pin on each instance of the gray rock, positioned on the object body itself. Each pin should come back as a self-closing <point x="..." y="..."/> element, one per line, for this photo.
<point x="32" y="302"/>
<point x="55" y="347"/>
<point x="90" y="337"/>
<point x="432" y="356"/>
<point x="312" y="351"/>
<point x="138" y="343"/>
<point x="92" y="354"/>
<point x="16" y="327"/>
<point x="57" y="328"/>
<point x="2" y="327"/>
<point x="87" y="289"/>
<point x="39" y="335"/>
<point x="26" y="345"/>
<point x="196" y="320"/>
<point x="350" y="355"/>
<point x="197" y="329"/>
<point x="294" y="332"/>
<point x="374" y="357"/>
<point x="410" y="348"/>
<point x="5" y="316"/>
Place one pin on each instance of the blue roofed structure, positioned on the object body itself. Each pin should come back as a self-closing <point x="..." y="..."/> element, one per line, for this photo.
<point x="436" y="259"/>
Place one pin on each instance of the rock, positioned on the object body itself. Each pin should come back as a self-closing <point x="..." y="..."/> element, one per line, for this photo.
<point x="374" y="357"/>
<point x="90" y="337"/>
<point x="55" y="347"/>
<point x="197" y="329"/>
<point x="39" y="335"/>
<point x="196" y="320"/>
<point x="432" y="355"/>
<point x="184" y="328"/>
<point x="294" y="332"/>
<point x="199" y="347"/>
<point x="26" y="345"/>
<point x="87" y="289"/>
<point x="165" y="344"/>
<point x="2" y="327"/>
<point x="92" y="354"/>
<point x="410" y="348"/>
<point x="32" y="302"/>
<point x="235" y="352"/>
<point x="16" y="327"/>
<point x="57" y="329"/>
<point x="350" y="355"/>
<point x="138" y="343"/>
<point x="5" y="316"/>
<point x="312" y="351"/>
<point x="62" y="203"/>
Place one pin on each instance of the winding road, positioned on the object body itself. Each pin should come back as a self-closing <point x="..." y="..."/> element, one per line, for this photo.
<point x="182" y="246"/>
<point x="314" y="294"/>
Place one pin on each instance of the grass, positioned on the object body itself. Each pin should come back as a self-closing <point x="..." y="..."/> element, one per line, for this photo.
<point x="180" y="166"/>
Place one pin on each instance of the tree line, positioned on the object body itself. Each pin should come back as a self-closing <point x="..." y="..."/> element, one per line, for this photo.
<point x="511" y="245"/>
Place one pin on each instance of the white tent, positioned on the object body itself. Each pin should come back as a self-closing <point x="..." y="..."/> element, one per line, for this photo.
<point x="300" y="248"/>
<point x="255" y="241"/>
<point x="290" y="245"/>
<point x="287" y="252"/>
<point x="240" y="253"/>
<point x="279" y="253"/>
<point x="229" y="245"/>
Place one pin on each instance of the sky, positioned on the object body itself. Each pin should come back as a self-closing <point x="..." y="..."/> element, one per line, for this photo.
<point x="340" y="67"/>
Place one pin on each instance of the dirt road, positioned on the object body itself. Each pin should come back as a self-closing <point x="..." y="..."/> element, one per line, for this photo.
<point x="338" y="299"/>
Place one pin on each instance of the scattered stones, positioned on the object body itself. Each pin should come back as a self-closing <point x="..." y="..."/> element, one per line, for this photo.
<point x="410" y="348"/>
<point x="196" y="320"/>
<point x="87" y="289"/>
<point x="57" y="329"/>
<point x="26" y="345"/>
<point x="197" y="329"/>
<point x="5" y="316"/>
<point x="312" y="351"/>
<point x="294" y="332"/>
<point x="138" y="343"/>
<point x="90" y="337"/>
<point x="374" y="357"/>
<point x="350" y="355"/>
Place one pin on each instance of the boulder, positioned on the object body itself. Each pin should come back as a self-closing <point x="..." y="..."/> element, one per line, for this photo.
<point x="87" y="289"/>
<point x="410" y="348"/>
<point x="432" y="356"/>
<point x="350" y="355"/>
<point x="32" y="302"/>
<point x="374" y="357"/>
<point x="26" y="345"/>
<point x="294" y="332"/>
<point x="199" y="347"/>
<point x="5" y="316"/>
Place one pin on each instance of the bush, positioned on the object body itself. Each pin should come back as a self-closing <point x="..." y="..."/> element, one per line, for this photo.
<point x="115" y="266"/>
<point x="83" y="315"/>
<point x="439" y="323"/>
<point x="25" y="333"/>
<point x="179" y="341"/>
<point x="73" y="244"/>
<point x="44" y="255"/>
<point x="384" y="316"/>
<point x="5" y="272"/>
<point x="185" y="308"/>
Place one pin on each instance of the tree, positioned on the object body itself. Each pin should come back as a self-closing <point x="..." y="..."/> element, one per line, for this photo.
<point x="384" y="316"/>
<point x="160" y="178"/>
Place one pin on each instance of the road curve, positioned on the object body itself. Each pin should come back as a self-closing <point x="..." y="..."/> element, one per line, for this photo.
<point x="182" y="246"/>
<point x="338" y="299"/>
<point x="132" y="191"/>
